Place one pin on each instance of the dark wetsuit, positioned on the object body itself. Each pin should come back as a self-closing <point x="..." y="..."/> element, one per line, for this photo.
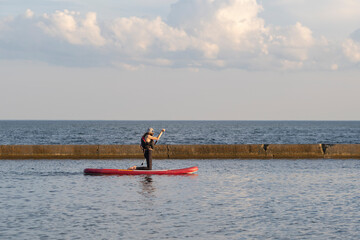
<point x="148" y="155"/>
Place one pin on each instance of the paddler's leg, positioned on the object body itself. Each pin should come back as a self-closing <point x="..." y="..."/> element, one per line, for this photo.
<point x="149" y="160"/>
<point x="148" y="156"/>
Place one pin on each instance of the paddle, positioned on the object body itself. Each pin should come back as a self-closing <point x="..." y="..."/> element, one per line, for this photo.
<point x="162" y="131"/>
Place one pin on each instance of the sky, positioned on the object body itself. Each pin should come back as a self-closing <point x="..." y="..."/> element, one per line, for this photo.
<point x="179" y="60"/>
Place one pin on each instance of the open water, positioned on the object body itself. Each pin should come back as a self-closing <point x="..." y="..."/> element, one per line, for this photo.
<point x="226" y="199"/>
<point x="180" y="132"/>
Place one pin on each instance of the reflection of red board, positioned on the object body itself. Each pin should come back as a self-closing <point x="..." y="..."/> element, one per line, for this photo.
<point x="98" y="171"/>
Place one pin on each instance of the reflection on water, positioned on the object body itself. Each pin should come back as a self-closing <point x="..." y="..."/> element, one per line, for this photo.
<point x="147" y="187"/>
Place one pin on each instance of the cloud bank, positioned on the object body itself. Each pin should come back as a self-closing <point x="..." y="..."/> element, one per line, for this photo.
<point x="213" y="34"/>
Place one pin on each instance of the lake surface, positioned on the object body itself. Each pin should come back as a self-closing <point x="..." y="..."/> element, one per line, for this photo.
<point x="180" y="132"/>
<point x="227" y="199"/>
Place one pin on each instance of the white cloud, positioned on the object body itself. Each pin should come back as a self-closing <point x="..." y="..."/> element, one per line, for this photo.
<point x="241" y="36"/>
<point x="292" y="42"/>
<point x="4" y="23"/>
<point x="212" y="34"/>
<point x="231" y="25"/>
<point x="356" y="35"/>
<point x="68" y="25"/>
<point x="137" y="36"/>
<point x="127" y="66"/>
<point x="29" y="13"/>
<point x="331" y="18"/>
<point x="291" y="65"/>
<point x="351" y="47"/>
<point x="351" y="50"/>
<point x="334" y="67"/>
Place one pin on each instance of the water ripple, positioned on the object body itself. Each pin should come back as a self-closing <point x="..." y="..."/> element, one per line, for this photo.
<point x="255" y="199"/>
<point x="179" y="132"/>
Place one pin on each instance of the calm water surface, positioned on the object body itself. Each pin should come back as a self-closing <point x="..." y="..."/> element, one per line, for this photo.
<point x="227" y="199"/>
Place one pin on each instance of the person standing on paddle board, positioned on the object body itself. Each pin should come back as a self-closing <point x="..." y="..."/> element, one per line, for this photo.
<point x="147" y="145"/>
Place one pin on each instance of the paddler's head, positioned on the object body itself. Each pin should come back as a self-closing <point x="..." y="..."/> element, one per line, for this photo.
<point x="150" y="131"/>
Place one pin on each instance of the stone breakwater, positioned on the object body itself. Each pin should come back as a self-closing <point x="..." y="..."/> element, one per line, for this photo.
<point x="252" y="151"/>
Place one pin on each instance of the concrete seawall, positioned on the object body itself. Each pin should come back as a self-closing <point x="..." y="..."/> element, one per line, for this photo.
<point x="253" y="151"/>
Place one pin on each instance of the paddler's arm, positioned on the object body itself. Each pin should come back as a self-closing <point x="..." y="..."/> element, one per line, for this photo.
<point x="158" y="137"/>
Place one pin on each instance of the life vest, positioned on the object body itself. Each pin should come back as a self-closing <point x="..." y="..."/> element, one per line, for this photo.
<point x="147" y="145"/>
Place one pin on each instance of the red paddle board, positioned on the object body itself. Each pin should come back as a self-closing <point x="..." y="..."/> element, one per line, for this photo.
<point x="99" y="171"/>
